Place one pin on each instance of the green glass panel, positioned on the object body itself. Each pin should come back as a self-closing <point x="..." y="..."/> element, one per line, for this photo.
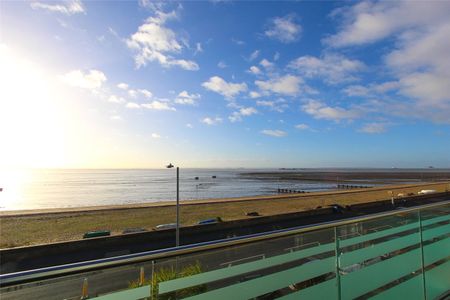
<point x="131" y="294"/>
<point x="435" y="220"/>
<point x="437" y="280"/>
<point x="181" y="283"/>
<point x="321" y="291"/>
<point x="360" y="255"/>
<point x="371" y="277"/>
<point x="411" y="289"/>
<point x="436" y="251"/>
<point x="378" y="234"/>
<point x="266" y="284"/>
<point x="435" y="232"/>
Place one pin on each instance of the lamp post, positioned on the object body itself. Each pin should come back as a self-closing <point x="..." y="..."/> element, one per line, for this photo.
<point x="177" y="229"/>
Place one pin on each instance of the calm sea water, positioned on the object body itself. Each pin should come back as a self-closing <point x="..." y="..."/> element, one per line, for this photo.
<point x="51" y="188"/>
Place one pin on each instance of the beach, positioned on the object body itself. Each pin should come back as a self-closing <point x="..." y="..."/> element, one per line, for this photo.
<point x="32" y="227"/>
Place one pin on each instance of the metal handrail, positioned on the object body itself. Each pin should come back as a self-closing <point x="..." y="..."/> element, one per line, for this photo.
<point x="43" y="273"/>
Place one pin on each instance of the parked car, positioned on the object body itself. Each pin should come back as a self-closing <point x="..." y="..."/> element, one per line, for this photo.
<point x="134" y="230"/>
<point x="166" y="226"/>
<point x="98" y="233"/>
<point x="425" y="192"/>
<point x="210" y="221"/>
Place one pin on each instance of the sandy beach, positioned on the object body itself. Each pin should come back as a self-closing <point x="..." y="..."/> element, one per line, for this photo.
<point x="30" y="227"/>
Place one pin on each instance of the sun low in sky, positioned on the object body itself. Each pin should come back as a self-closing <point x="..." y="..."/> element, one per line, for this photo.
<point x="122" y="84"/>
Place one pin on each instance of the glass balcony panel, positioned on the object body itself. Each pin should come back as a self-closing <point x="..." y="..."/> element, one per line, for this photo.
<point x="436" y="250"/>
<point x="380" y="255"/>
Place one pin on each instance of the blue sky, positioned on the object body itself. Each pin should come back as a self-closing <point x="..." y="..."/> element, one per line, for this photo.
<point x="225" y="84"/>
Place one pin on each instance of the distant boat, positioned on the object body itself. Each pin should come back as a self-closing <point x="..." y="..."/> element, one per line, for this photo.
<point x="196" y="178"/>
<point x="214" y="176"/>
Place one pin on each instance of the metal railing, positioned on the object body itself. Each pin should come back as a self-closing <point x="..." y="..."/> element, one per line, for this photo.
<point x="42" y="273"/>
<point x="330" y="257"/>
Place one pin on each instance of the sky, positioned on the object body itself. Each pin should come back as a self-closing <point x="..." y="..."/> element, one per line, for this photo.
<point x="224" y="84"/>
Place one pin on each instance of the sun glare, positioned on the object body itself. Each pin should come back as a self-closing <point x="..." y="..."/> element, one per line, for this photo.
<point x="30" y="117"/>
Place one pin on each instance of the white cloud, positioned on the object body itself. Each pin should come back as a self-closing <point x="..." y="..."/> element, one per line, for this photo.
<point x="237" y="42"/>
<point x="278" y="105"/>
<point x="320" y="110"/>
<point x="254" y="70"/>
<point x="146" y="93"/>
<point x="356" y="90"/>
<point x="133" y="93"/>
<point x="222" y="65"/>
<point x="266" y="64"/>
<point x="332" y="68"/>
<point x="212" y="121"/>
<point x="68" y="7"/>
<point x="276" y="56"/>
<point x="373" y="128"/>
<point x="242" y="112"/>
<point x="115" y="118"/>
<point x="158" y="105"/>
<point x="274" y="133"/>
<point x="156" y="136"/>
<point x="89" y="80"/>
<point x="155" y="42"/>
<point x="372" y="89"/>
<point x="368" y="22"/>
<point x="254" y="55"/>
<point x="187" y="99"/>
<point x="132" y="105"/>
<point x="284" y="29"/>
<point x="420" y="32"/>
<point x="116" y="99"/>
<point x="220" y="86"/>
<point x="302" y="126"/>
<point x="198" y="48"/>
<point x="287" y="85"/>
<point x="254" y="94"/>
<point x="189" y="125"/>
<point x="122" y="86"/>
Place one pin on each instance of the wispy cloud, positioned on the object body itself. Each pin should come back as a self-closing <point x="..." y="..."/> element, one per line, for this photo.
<point x="254" y="55"/>
<point x="68" y="7"/>
<point x="222" y="64"/>
<point x="242" y="112"/>
<point x="302" y="126"/>
<point x="284" y="29"/>
<point x="274" y="133"/>
<point x="373" y="128"/>
<point x="320" y="110"/>
<point x="279" y="105"/>
<point x="332" y="68"/>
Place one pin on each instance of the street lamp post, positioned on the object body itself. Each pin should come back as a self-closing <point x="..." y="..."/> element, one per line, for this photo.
<point x="177" y="229"/>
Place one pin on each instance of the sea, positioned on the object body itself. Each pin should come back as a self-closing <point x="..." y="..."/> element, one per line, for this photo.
<point x="66" y="188"/>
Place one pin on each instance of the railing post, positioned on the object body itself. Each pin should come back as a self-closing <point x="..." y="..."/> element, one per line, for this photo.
<point x="84" y="289"/>
<point x="154" y="294"/>
<point x="422" y="256"/>
<point x="336" y="253"/>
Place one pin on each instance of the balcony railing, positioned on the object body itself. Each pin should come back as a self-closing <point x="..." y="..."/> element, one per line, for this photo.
<point x="402" y="254"/>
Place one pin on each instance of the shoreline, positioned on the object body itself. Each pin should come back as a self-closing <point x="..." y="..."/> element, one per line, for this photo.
<point x="169" y="203"/>
<point x="34" y="227"/>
